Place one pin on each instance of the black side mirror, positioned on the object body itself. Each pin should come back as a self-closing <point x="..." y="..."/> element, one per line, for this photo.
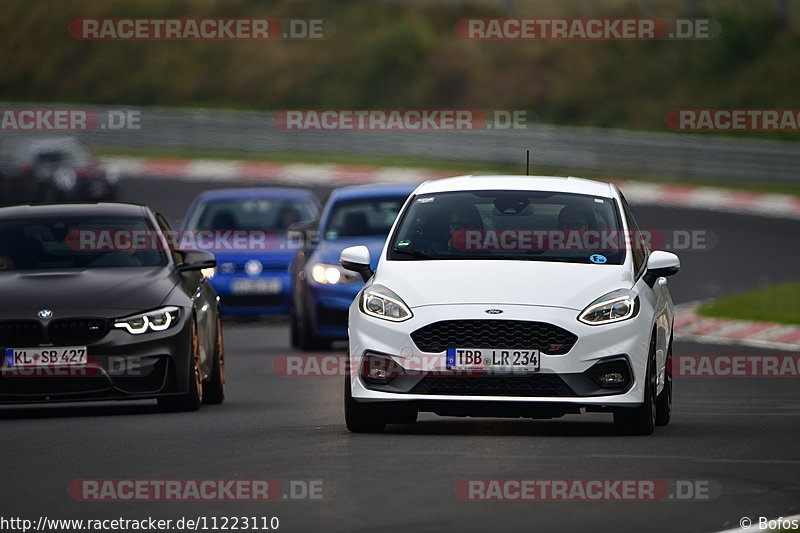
<point x="301" y="235"/>
<point x="196" y="260"/>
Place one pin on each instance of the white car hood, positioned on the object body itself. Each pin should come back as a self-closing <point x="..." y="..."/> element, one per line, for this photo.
<point x="553" y="284"/>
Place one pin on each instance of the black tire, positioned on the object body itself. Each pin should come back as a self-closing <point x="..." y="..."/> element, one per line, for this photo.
<point x="306" y="339"/>
<point x="664" y="399"/>
<point x="294" y="330"/>
<point x="194" y="399"/>
<point x="641" y="420"/>
<point x="214" y="390"/>
<point x="362" y="417"/>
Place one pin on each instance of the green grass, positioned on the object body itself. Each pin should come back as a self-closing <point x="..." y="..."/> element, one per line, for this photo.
<point x="454" y="166"/>
<point x="774" y="303"/>
<point x="407" y="55"/>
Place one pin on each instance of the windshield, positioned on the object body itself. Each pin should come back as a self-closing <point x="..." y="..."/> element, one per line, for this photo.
<point x="252" y="214"/>
<point x="59" y="153"/>
<point x="54" y="243"/>
<point x="523" y="225"/>
<point x="364" y="217"/>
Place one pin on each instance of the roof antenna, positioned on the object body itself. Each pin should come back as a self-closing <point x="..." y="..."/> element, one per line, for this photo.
<point x="527" y="162"/>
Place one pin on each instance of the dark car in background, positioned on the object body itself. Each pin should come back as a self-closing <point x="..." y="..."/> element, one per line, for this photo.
<point x="254" y="256"/>
<point x="323" y="290"/>
<point x="87" y="315"/>
<point x="52" y="169"/>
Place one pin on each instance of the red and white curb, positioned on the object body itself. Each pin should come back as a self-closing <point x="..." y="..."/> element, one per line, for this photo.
<point x="693" y="327"/>
<point x="230" y="171"/>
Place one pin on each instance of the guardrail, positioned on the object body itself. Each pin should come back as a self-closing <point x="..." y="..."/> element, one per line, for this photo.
<point x="710" y="157"/>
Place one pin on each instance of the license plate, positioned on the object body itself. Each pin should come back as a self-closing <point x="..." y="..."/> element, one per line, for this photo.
<point x="46" y="356"/>
<point x="256" y="286"/>
<point x="495" y="360"/>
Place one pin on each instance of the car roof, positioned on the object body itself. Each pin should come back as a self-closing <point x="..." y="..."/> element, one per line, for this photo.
<point x="518" y="183"/>
<point x="378" y="189"/>
<point x="18" y="143"/>
<point x="287" y="193"/>
<point x="87" y="208"/>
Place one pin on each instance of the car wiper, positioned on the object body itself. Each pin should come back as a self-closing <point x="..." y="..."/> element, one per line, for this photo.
<point x="413" y="253"/>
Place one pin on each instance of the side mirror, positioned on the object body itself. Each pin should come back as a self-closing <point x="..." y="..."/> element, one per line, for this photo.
<point x="356" y="258"/>
<point x="661" y="264"/>
<point x="196" y="260"/>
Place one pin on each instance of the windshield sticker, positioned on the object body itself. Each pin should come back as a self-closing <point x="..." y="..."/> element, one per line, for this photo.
<point x="598" y="200"/>
<point x="403" y="243"/>
<point x="426" y="200"/>
<point x="597" y="259"/>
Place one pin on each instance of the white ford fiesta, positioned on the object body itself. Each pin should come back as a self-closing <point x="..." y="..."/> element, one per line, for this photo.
<point x="512" y="296"/>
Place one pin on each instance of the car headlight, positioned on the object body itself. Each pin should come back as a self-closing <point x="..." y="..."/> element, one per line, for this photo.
<point x="613" y="307"/>
<point x="332" y="275"/>
<point x="227" y="268"/>
<point x="209" y="273"/>
<point x="379" y="302"/>
<point x="157" y="320"/>
<point x="65" y="178"/>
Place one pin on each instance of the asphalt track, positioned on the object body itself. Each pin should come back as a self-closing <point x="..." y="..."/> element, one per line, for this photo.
<point x="740" y="435"/>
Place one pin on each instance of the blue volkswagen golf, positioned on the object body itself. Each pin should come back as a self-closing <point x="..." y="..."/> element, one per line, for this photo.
<point x="322" y="289"/>
<point x="246" y="229"/>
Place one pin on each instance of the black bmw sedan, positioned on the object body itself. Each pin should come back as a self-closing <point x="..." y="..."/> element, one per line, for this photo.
<point x="96" y="303"/>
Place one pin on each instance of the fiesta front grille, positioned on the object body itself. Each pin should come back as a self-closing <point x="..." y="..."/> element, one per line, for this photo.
<point x="506" y="334"/>
<point x="20" y="333"/>
<point x="70" y="331"/>
<point x="534" y="385"/>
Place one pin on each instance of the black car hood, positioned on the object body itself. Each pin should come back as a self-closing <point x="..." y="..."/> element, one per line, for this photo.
<point x="103" y="292"/>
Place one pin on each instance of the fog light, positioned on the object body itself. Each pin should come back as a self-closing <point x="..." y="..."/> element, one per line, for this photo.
<point x="379" y="369"/>
<point x="378" y="373"/>
<point x="612" y="378"/>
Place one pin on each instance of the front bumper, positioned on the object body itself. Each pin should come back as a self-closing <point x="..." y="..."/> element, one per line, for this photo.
<point x="330" y="306"/>
<point x="561" y="379"/>
<point x="120" y="366"/>
<point x="248" y="304"/>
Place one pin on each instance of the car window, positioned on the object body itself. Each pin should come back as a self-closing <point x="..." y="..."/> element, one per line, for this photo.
<point x="252" y="214"/>
<point x="77" y="242"/>
<point x="66" y="153"/>
<point x="362" y="217"/>
<point x="169" y="235"/>
<point x="638" y="247"/>
<point x="524" y="225"/>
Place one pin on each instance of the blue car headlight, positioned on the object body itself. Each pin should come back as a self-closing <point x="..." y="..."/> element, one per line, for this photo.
<point x="326" y="274"/>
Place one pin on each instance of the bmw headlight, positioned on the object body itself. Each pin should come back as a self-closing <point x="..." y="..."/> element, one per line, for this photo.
<point x="613" y="307"/>
<point x="157" y="320"/>
<point x="332" y="274"/>
<point x="379" y="302"/>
